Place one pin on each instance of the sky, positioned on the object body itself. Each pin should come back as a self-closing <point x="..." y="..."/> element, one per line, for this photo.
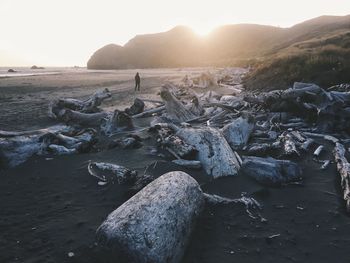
<point x="67" y="32"/>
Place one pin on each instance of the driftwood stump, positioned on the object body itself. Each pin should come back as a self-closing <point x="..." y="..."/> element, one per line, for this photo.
<point x="155" y="224"/>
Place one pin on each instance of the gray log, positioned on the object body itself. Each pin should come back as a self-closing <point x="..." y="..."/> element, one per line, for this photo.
<point x="136" y="108"/>
<point x="214" y="152"/>
<point x="270" y="171"/>
<point x="343" y="168"/>
<point x="188" y="164"/>
<point x="108" y="172"/>
<point x="155" y="224"/>
<point x="237" y="132"/>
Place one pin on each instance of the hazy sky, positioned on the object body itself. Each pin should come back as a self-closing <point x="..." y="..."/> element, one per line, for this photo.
<point x="67" y="32"/>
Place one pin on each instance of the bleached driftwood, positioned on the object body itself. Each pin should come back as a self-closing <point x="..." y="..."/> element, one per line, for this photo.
<point x="155" y="224"/>
<point x="85" y="119"/>
<point x="214" y="152"/>
<point x="173" y="143"/>
<point x="190" y="164"/>
<point x="111" y="173"/>
<point x="318" y="151"/>
<point x="270" y="171"/>
<point x="174" y="108"/>
<point x="343" y="168"/>
<point x="88" y="106"/>
<point x="237" y="132"/>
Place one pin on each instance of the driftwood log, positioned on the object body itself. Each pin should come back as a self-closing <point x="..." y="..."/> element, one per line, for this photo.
<point x="237" y="132"/>
<point x="111" y="173"/>
<point x="88" y="106"/>
<point x="343" y="168"/>
<point x="155" y="224"/>
<point x="174" y="108"/>
<point x="136" y="108"/>
<point x="214" y="152"/>
<point x="270" y="171"/>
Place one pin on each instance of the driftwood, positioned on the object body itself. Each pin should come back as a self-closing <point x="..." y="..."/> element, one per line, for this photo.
<point x="85" y="119"/>
<point x="343" y="168"/>
<point x="237" y="132"/>
<point x="166" y="139"/>
<point x="118" y="121"/>
<point x="88" y="106"/>
<point x="155" y="224"/>
<point x="111" y="173"/>
<point x="318" y="151"/>
<point x="149" y="112"/>
<point x="174" y="108"/>
<point x="214" y="153"/>
<point x="269" y="171"/>
<point x="190" y="164"/>
<point x="136" y="108"/>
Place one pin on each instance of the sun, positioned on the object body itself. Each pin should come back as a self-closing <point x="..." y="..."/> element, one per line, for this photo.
<point x="202" y="30"/>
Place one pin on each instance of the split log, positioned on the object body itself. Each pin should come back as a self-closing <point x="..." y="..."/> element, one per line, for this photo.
<point x="111" y="173"/>
<point x="270" y="171"/>
<point x="343" y="168"/>
<point x="136" y="108"/>
<point x="174" y="108"/>
<point x="238" y="131"/>
<point x="214" y="153"/>
<point x="155" y="224"/>
<point x="190" y="164"/>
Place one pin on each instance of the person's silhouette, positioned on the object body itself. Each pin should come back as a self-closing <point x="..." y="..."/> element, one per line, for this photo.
<point x="137" y="82"/>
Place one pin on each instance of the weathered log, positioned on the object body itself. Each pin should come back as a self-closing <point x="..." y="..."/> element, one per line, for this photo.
<point x="129" y="142"/>
<point x="136" y="108"/>
<point x="237" y="132"/>
<point x="88" y="106"/>
<point x="263" y="148"/>
<point x="214" y="153"/>
<point x="155" y="224"/>
<point x="174" y="144"/>
<point x="343" y="168"/>
<point x="174" y="108"/>
<point x="84" y="119"/>
<point x="289" y="144"/>
<point x="111" y="173"/>
<point x="190" y="164"/>
<point x="118" y="121"/>
<point x="270" y="171"/>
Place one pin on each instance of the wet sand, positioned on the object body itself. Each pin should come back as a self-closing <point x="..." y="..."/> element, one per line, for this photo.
<point x="49" y="208"/>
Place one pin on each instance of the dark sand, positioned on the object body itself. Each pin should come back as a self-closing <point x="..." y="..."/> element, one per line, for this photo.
<point x="49" y="208"/>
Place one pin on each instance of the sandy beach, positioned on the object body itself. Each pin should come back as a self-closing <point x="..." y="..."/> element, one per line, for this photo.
<point x="51" y="207"/>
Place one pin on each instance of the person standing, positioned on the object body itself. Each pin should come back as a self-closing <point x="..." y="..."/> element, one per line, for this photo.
<point x="137" y="81"/>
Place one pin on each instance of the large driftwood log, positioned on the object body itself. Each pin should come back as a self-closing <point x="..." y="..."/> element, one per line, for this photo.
<point x="88" y="106"/>
<point x="343" y="168"/>
<point x="174" y="108"/>
<point x="237" y="132"/>
<point x="84" y="119"/>
<point x="155" y="224"/>
<point x="214" y="153"/>
<point x="270" y="171"/>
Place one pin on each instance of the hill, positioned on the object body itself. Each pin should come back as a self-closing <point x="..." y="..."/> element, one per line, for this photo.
<point x="315" y="47"/>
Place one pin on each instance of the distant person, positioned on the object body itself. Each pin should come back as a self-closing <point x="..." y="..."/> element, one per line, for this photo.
<point x="137" y="81"/>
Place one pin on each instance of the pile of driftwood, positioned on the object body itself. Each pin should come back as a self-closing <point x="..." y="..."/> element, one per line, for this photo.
<point x="260" y="135"/>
